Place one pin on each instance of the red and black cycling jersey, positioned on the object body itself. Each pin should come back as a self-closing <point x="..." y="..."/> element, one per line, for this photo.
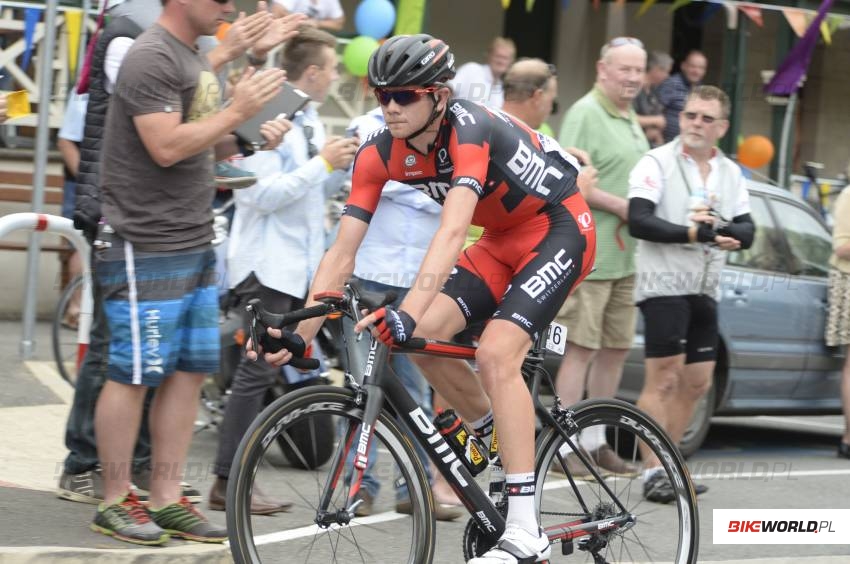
<point x="517" y="172"/>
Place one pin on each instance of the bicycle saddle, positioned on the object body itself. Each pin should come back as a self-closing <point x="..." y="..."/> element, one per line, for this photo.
<point x="372" y="300"/>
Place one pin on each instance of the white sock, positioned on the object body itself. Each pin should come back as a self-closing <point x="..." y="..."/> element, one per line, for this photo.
<point x="521" y="509"/>
<point x="649" y="472"/>
<point x="593" y="438"/>
<point x="483" y="428"/>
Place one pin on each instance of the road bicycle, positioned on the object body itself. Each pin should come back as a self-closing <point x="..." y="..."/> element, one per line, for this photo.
<point x="591" y="515"/>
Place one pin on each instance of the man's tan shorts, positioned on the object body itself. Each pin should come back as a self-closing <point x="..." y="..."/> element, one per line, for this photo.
<point x="601" y="314"/>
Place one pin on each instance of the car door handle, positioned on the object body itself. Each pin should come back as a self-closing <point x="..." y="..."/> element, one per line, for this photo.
<point x="737" y="296"/>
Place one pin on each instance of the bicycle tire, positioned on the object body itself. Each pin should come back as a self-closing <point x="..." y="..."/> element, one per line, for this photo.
<point x="625" y="426"/>
<point x="65" y="348"/>
<point x="299" y="524"/>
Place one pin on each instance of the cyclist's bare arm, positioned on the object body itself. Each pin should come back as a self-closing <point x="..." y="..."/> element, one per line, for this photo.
<point x="336" y="268"/>
<point x="441" y="256"/>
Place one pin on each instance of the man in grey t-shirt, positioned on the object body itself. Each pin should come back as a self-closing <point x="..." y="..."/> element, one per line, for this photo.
<point x="154" y="263"/>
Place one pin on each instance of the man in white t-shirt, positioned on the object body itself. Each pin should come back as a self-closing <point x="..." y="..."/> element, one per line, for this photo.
<point x="324" y="14"/>
<point x="483" y="83"/>
<point x="688" y="206"/>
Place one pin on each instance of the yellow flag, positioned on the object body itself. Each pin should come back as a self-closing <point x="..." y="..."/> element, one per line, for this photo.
<point x="826" y="32"/>
<point x="74" y="29"/>
<point x="18" y="104"/>
<point x="529" y="5"/>
<point x="506" y="4"/>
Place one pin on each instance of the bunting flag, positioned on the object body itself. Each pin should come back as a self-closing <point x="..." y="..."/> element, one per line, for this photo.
<point x="647" y="4"/>
<point x="565" y="4"/>
<point x="754" y="13"/>
<point x="74" y="29"/>
<point x="529" y="5"/>
<point x="678" y="4"/>
<point x="797" y="20"/>
<point x="596" y="5"/>
<point x="786" y="81"/>
<point x="410" y="17"/>
<point x="731" y="16"/>
<point x="31" y="17"/>
<point x="506" y="4"/>
<point x="826" y="33"/>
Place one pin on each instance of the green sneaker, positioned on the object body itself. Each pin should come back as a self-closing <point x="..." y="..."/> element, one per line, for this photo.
<point x="182" y="520"/>
<point x="229" y="176"/>
<point x="129" y="521"/>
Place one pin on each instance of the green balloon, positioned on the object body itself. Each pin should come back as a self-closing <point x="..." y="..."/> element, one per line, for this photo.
<point x="546" y="129"/>
<point x="356" y="55"/>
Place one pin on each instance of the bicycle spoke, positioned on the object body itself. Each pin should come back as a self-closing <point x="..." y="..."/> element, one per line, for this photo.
<point x="320" y="528"/>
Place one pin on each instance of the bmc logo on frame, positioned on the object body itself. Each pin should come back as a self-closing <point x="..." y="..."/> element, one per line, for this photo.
<point x="781" y="526"/>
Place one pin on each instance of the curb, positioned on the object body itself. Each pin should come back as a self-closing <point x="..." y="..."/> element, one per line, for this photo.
<point x="189" y="554"/>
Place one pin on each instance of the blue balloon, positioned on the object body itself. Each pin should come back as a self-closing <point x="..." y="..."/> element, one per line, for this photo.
<point x="375" y="18"/>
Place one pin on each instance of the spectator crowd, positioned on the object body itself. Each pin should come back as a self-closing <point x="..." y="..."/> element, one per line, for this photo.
<point x="152" y="139"/>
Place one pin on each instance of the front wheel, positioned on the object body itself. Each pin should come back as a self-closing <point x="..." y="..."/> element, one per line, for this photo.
<point x="318" y="527"/>
<point x="631" y="528"/>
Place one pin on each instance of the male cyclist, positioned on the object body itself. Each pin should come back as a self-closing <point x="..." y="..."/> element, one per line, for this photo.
<point x="539" y="242"/>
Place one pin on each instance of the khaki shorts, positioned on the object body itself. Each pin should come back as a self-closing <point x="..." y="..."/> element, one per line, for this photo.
<point x="601" y="314"/>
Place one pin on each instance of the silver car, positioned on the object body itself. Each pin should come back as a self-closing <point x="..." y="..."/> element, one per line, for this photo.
<point x="772" y="358"/>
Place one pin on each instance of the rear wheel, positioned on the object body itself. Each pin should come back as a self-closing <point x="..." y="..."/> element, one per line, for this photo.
<point x="568" y="495"/>
<point x="318" y="527"/>
<point x="65" y="345"/>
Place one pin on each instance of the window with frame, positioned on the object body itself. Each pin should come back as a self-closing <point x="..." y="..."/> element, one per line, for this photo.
<point x="809" y="240"/>
<point x="767" y="251"/>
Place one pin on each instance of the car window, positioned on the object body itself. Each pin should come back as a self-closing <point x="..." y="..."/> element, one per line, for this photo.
<point x="766" y="252"/>
<point x="810" y="242"/>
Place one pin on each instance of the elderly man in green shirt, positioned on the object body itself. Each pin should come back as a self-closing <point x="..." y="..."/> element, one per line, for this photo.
<point x="600" y="315"/>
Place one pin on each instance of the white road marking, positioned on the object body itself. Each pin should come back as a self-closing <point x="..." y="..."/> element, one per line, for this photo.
<point x="313" y="530"/>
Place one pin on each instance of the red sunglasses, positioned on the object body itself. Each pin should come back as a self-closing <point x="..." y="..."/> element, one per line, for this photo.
<point x="402" y="97"/>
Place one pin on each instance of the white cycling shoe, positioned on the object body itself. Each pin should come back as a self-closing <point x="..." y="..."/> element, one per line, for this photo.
<point x="517" y="546"/>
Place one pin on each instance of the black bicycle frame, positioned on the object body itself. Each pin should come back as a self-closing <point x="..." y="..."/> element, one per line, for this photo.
<point x="381" y="384"/>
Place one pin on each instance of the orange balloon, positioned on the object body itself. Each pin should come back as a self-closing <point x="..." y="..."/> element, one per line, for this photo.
<point x="755" y="151"/>
<point x="222" y="31"/>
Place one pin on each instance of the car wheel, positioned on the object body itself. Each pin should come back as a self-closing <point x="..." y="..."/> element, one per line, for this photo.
<point x="698" y="427"/>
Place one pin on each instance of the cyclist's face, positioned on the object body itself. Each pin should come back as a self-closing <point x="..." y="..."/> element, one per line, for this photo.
<point x="695" y="132"/>
<point x="403" y="120"/>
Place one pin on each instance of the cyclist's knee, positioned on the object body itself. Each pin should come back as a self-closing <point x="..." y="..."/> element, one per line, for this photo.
<point x="497" y="364"/>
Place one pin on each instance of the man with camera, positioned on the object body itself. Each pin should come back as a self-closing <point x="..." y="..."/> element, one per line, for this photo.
<point x="680" y="196"/>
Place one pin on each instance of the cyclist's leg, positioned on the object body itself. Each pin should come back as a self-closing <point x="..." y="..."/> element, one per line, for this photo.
<point x="665" y="329"/>
<point x="454" y="379"/>
<point x="700" y="359"/>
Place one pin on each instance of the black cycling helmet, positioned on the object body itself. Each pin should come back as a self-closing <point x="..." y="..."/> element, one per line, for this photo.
<point x="411" y="60"/>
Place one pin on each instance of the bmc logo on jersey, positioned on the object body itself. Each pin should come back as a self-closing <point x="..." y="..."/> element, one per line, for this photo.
<point x="433" y="189"/>
<point x="585" y="220"/>
<point x="546" y="275"/>
<point x="532" y="170"/>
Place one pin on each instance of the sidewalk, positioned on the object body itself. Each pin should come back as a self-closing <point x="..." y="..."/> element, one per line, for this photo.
<point x="35" y="525"/>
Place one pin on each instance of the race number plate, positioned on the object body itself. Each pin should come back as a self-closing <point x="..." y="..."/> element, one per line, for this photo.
<point x="556" y="341"/>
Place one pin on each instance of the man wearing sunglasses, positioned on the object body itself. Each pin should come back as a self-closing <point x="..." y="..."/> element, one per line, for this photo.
<point x="489" y="169"/>
<point x="679" y="195"/>
<point x="164" y="120"/>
